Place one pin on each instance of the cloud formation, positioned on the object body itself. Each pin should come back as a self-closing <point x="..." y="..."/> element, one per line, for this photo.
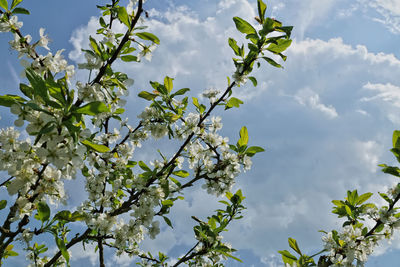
<point x="388" y="13"/>
<point x="318" y="119"/>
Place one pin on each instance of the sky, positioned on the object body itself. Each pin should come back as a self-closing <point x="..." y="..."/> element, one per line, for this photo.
<point x="325" y="120"/>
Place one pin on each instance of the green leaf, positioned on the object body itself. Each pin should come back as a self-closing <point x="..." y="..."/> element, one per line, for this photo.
<point x="251" y="151"/>
<point x="26" y="90"/>
<point x="243" y="26"/>
<point x="240" y="194"/>
<point x="159" y="87"/>
<point x="97" y="147"/>
<point x="233" y="102"/>
<point x="15" y="3"/>
<point x="364" y="197"/>
<point x="230" y="256"/>
<point x="254" y="39"/>
<point x="180" y="92"/>
<point x="131" y="164"/>
<point x="338" y="203"/>
<point x="47" y="128"/>
<point x="9" y="100"/>
<point x="168" y="221"/>
<point x="168" y="83"/>
<point x="287" y="257"/>
<point x="20" y="10"/>
<point x="181" y="173"/>
<point x="129" y="58"/>
<point x="76" y="216"/>
<point x="385" y="197"/>
<point x="379" y="228"/>
<point x="212" y="223"/>
<point x="348" y="210"/>
<point x="352" y="197"/>
<point x="119" y="111"/>
<point x="396" y="139"/>
<point x="144" y="167"/>
<point x="272" y="62"/>
<point x="175" y="181"/>
<point x="252" y="47"/>
<point x="196" y="102"/>
<point x="233" y="44"/>
<point x="56" y="90"/>
<point x="93" y="108"/>
<point x="61" y="245"/>
<point x="261" y="6"/>
<point x="244" y="137"/>
<point x="293" y="244"/>
<point x="285" y="29"/>
<point x="43" y="211"/>
<point x="4" y="4"/>
<point x="148" y="36"/>
<point x="364" y="231"/>
<point x="390" y="170"/>
<point x="94" y="45"/>
<point x="253" y="80"/>
<point x="64" y="215"/>
<point x="268" y="26"/>
<point x="147" y="95"/>
<point x="282" y="45"/>
<point x="167" y="202"/>
<point x="202" y="108"/>
<point x="3" y="204"/>
<point x="38" y="84"/>
<point x="9" y="252"/>
<point x="102" y="22"/>
<point x="123" y="16"/>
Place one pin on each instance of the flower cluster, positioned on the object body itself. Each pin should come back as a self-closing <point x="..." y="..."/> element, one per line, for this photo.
<point x="7" y="25"/>
<point x="153" y="121"/>
<point x="348" y="245"/>
<point x="71" y="130"/>
<point x="211" y="94"/>
<point x="239" y="76"/>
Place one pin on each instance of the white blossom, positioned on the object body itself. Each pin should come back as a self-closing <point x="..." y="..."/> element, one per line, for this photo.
<point x="44" y="40"/>
<point x="211" y="94"/>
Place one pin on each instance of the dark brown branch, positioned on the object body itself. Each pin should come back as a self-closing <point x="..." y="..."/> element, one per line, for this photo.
<point x="189" y="255"/>
<point x="6" y="181"/>
<point x="70" y="244"/>
<point x="5" y="229"/>
<point x="115" y="55"/>
<point x="127" y="204"/>
<point x="101" y="251"/>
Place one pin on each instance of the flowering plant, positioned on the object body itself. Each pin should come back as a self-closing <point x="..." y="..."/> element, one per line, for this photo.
<point x="365" y="224"/>
<point x="71" y="137"/>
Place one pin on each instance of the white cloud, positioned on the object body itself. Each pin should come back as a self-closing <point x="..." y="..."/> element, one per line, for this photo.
<point x="393" y="6"/>
<point x="336" y="49"/>
<point x="78" y="252"/>
<point x="386" y="92"/>
<point x="309" y="98"/>
<point x="164" y="242"/>
<point x="307" y="15"/>
<point x="388" y="10"/>
<point x="310" y="160"/>
<point x="123" y="260"/>
<point x="369" y="153"/>
<point x="363" y="112"/>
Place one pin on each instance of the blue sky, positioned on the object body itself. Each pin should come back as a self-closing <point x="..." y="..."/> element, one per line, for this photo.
<point x="325" y="120"/>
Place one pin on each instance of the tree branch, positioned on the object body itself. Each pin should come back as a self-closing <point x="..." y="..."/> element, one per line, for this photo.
<point x="117" y="51"/>
<point x="70" y="244"/>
